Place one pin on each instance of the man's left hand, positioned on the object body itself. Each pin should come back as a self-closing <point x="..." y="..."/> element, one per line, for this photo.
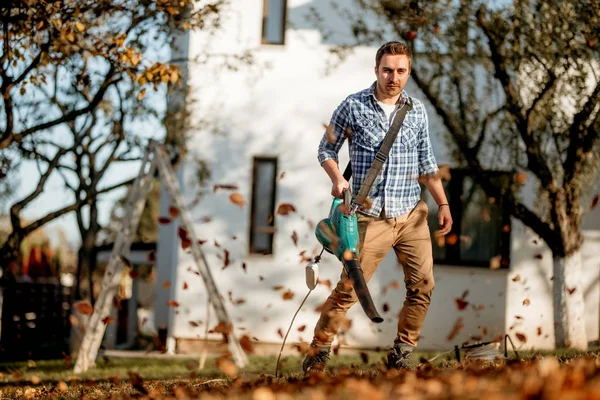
<point x="445" y="220"/>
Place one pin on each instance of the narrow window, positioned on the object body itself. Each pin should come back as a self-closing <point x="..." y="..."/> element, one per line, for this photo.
<point x="274" y="16"/>
<point x="264" y="187"/>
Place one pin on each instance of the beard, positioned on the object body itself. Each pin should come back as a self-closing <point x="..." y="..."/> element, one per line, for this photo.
<point x="390" y="90"/>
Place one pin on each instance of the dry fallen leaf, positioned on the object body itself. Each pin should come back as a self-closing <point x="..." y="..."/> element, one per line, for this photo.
<point x="458" y="326"/>
<point x="237" y="199"/>
<point x="285" y="209"/>
<point x="301" y="328"/>
<point x="521" y="337"/>
<point x="521" y="178"/>
<point x="164" y="220"/>
<point x="173" y="211"/>
<point x="172" y="303"/>
<point x="526" y="302"/>
<point x="84" y="308"/>
<point x="287" y="295"/>
<point x="516" y="278"/>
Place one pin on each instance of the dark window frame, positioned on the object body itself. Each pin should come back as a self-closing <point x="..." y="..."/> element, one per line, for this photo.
<point x="455" y="187"/>
<point x="265" y="17"/>
<point x="254" y="198"/>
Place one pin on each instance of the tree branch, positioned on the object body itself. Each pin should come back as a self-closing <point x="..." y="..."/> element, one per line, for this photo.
<point x="514" y="105"/>
<point x="6" y="140"/>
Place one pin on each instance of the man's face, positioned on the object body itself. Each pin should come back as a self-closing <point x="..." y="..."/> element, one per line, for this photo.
<point x="392" y="74"/>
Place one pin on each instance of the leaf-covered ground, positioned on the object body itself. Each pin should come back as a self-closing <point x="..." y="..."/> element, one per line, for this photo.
<point x="571" y="376"/>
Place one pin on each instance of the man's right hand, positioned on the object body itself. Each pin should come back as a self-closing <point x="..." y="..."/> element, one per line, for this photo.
<point x="339" y="186"/>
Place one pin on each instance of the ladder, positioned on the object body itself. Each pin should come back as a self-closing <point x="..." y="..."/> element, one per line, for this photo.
<point x="154" y="158"/>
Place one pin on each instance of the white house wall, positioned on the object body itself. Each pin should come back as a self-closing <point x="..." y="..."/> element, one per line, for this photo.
<point x="279" y="111"/>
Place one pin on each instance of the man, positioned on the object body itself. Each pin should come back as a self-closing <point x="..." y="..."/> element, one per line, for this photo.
<point x="396" y="218"/>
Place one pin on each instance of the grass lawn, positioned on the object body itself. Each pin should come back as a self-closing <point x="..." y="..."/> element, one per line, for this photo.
<point x="125" y="377"/>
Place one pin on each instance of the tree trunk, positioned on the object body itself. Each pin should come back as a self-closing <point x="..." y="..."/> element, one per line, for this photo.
<point x="569" y="310"/>
<point x="85" y="270"/>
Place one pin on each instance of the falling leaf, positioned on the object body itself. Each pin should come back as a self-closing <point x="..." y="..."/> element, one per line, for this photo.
<point x="301" y="328"/>
<point x="227" y="261"/>
<point x="285" y="209"/>
<point x="247" y="344"/>
<point x="237" y="199"/>
<point x="35" y="379"/>
<point x="282" y="175"/>
<point x="224" y="187"/>
<point x="141" y="94"/>
<point x="172" y="303"/>
<point x="521" y="178"/>
<point x="539" y="331"/>
<point x="80" y="27"/>
<point x="571" y="291"/>
<point x="280" y="333"/>
<point x="185" y="285"/>
<point x="173" y="211"/>
<point x="277" y="287"/>
<point x="62" y="387"/>
<point x="287" y="295"/>
<point x="385" y="307"/>
<point x="295" y="238"/>
<point x="526" y="302"/>
<point x="108" y="320"/>
<point x="152" y="256"/>
<point x="245" y="267"/>
<point x="461" y="304"/>
<point x="458" y="326"/>
<point x="521" y="337"/>
<point x="164" y="220"/>
<point x="365" y="357"/>
<point x="261" y="278"/>
<point x="595" y="201"/>
<point x="186" y="243"/>
<point x="516" y="278"/>
<point x="506" y="228"/>
<point x="166" y="284"/>
<point x="224" y="328"/>
<point x="182" y="233"/>
<point x="495" y="262"/>
<point x="451" y="239"/>
<point x="84" y="308"/>
<point x="194" y="324"/>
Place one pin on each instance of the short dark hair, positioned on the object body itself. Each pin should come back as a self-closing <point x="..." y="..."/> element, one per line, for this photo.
<point x="394" y="48"/>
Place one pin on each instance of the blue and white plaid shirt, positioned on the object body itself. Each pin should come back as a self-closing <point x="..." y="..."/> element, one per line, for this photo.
<point x="396" y="189"/>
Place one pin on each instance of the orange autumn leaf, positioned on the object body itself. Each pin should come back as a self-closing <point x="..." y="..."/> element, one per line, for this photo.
<point x="516" y="278"/>
<point x="521" y="337"/>
<point x="526" y="302"/>
<point x="84" y="308"/>
<point x="295" y="238"/>
<point x="301" y="328"/>
<point x="458" y="326"/>
<point x="237" y="199"/>
<point x="166" y="284"/>
<point x="287" y="295"/>
<point x="285" y="209"/>
<point x="173" y="211"/>
<point x="521" y="178"/>
<point x="108" y="320"/>
<point x="247" y="344"/>
<point x="164" y="220"/>
<point x="185" y="285"/>
<point x="172" y="303"/>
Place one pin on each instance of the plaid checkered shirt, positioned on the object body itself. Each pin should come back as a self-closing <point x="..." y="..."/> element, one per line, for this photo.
<point x="396" y="189"/>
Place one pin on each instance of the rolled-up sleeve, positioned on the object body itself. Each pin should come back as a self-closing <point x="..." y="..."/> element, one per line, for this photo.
<point x="332" y="142"/>
<point x="427" y="162"/>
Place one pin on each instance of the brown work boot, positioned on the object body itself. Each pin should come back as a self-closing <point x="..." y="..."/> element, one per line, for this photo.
<point x="398" y="357"/>
<point x="316" y="358"/>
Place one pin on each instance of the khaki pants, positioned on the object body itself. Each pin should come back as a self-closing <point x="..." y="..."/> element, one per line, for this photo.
<point x="410" y="238"/>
